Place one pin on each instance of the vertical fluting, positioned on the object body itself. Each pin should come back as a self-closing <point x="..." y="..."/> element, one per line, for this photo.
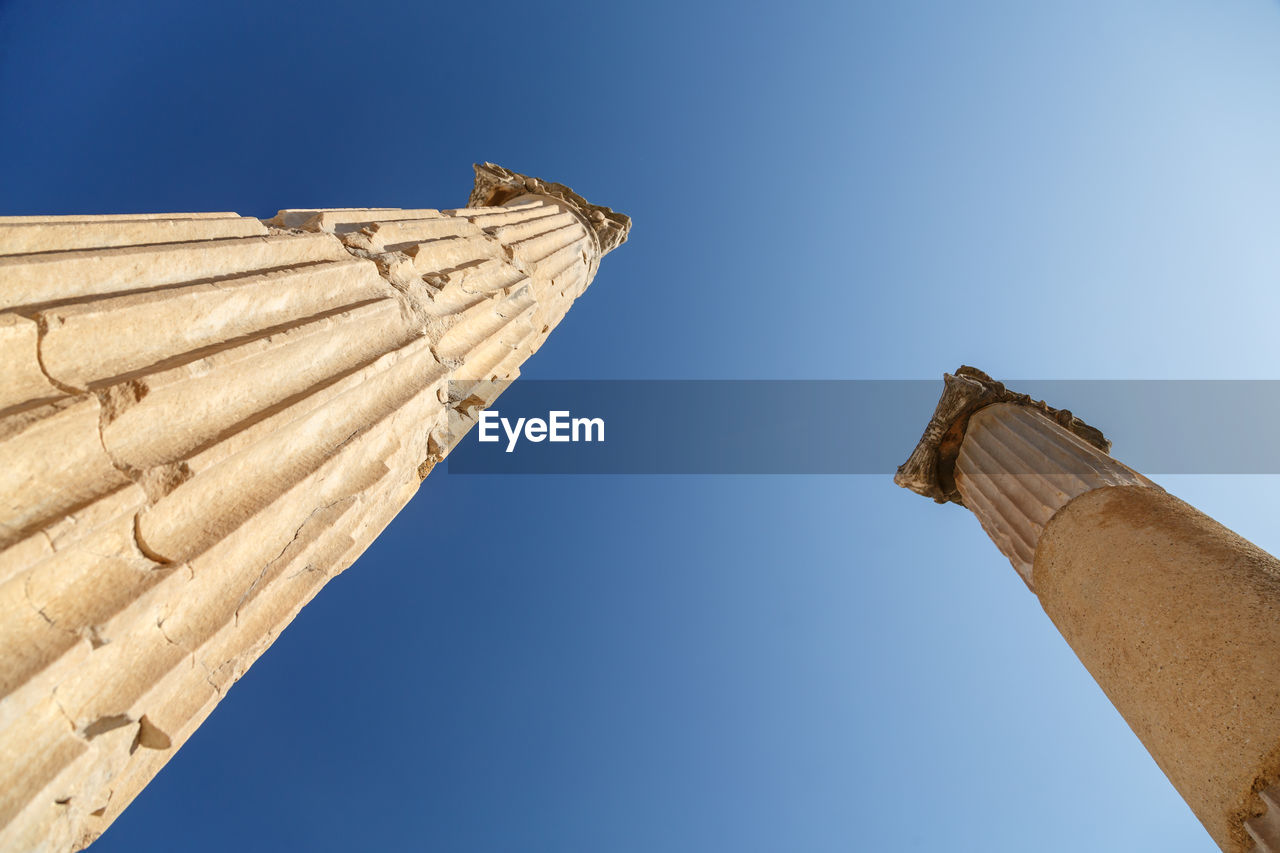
<point x="1264" y="828"/>
<point x="1016" y="468"/>
<point x="203" y="418"/>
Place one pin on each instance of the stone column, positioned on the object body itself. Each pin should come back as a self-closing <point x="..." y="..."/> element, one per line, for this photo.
<point x="205" y="417"/>
<point x="1175" y="616"/>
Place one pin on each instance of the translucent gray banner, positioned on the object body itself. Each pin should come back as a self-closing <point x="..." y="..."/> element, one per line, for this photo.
<point x="841" y="426"/>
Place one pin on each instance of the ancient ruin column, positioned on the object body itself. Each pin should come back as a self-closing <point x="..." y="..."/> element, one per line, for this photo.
<point x="205" y="417"/>
<point x="1175" y="616"/>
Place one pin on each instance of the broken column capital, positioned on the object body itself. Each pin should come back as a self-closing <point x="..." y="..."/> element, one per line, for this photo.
<point x="495" y="186"/>
<point x="930" y="470"/>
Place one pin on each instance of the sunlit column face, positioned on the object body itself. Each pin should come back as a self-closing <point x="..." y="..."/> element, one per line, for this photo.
<point x="204" y="418"/>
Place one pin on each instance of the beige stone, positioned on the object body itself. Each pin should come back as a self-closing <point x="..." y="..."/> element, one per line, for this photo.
<point x="207" y="417"/>
<point x="26" y="237"/>
<point x="1176" y="617"/>
<point x="25" y="381"/>
<point x="112" y="217"/>
<point x="61" y="277"/>
<point x="1178" y="620"/>
<point x="97" y="340"/>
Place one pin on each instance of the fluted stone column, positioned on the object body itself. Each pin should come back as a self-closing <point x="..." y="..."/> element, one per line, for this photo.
<point x="205" y="417"/>
<point x="1175" y="616"/>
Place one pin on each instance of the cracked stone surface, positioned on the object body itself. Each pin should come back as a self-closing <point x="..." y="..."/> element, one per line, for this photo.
<point x="205" y="417"/>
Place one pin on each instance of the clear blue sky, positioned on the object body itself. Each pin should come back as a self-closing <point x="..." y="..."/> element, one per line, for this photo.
<point x="838" y="190"/>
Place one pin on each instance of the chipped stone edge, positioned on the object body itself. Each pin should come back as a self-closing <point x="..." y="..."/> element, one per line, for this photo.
<point x="495" y="185"/>
<point x="929" y="471"/>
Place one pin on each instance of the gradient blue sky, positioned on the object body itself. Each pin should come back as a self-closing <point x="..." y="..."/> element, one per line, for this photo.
<point x="820" y="190"/>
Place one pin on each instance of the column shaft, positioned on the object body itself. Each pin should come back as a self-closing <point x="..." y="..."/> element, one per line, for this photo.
<point x="1178" y="620"/>
<point x="1176" y="617"/>
<point x="205" y="417"/>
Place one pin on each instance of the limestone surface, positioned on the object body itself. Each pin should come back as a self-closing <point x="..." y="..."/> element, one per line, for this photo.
<point x="1176" y="617"/>
<point x="204" y="418"/>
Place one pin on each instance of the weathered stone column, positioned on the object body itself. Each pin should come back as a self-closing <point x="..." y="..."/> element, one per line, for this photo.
<point x="203" y="418"/>
<point x="1175" y="616"/>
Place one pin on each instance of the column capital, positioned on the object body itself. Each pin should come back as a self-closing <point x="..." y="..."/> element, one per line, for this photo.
<point x="496" y="185"/>
<point x="930" y="470"/>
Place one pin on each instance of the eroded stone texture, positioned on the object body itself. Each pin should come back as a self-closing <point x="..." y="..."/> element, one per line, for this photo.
<point x="1178" y="620"/>
<point x="203" y="418"/>
<point x="1176" y="617"/>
